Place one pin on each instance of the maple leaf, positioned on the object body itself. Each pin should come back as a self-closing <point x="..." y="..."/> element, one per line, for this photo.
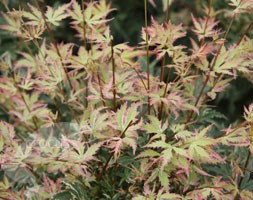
<point x="127" y="124"/>
<point x="56" y="16"/>
<point x="205" y="27"/>
<point x="163" y="36"/>
<point x="96" y="124"/>
<point x="125" y="115"/>
<point x="235" y="137"/>
<point x="242" y="6"/>
<point x="26" y="83"/>
<point x="155" y="127"/>
<point x="34" y="17"/>
<point x="205" y="193"/>
<point x="94" y="17"/>
<point x="180" y="132"/>
<point x="229" y="60"/>
<point x="81" y="154"/>
<point x="172" y="100"/>
<point x="27" y="61"/>
<point x="200" y="147"/>
<point x="219" y="87"/>
<point x="168" y="152"/>
<point x="94" y="13"/>
<point x="13" y="25"/>
<point x="248" y="113"/>
<point x="170" y="196"/>
<point x="7" y="87"/>
<point x="29" y="106"/>
<point x="7" y="132"/>
<point x="148" y="153"/>
<point x="33" y="32"/>
<point x="200" y="52"/>
<point x="103" y="8"/>
<point x="91" y="151"/>
<point x="51" y="186"/>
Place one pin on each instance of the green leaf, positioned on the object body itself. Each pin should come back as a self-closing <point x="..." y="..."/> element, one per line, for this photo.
<point x="153" y="176"/>
<point x="158" y="144"/>
<point x="171" y="196"/>
<point x="126" y="115"/>
<point x="198" y="151"/>
<point x="7" y="132"/>
<point x="56" y="16"/>
<point x="163" y="176"/>
<point x="148" y="153"/>
<point x="92" y="150"/>
<point x="139" y="197"/>
<point x="167" y="154"/>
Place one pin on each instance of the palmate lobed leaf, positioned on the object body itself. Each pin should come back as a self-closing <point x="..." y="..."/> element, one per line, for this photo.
<point x="236" y="137"/>
<point x="170" y="196"/>
<point x="34" y="17"/>
<point x="205" y="28"/>
<point x="81" y="154"/>
<point x="242" y="5"/>
<point x="125" y="115"/>
<point x="56" y="16"/>
<point x="155" y="127"/>
<point x="13" y="26"/>
<point x="7" y="132"/>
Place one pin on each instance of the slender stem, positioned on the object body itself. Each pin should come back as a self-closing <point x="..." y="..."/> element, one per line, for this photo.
<point x="244" y="168"/>
<point x="5" y="5"/>
<point x="86" y="92"/>
<point x="164" y="95"/>
<point x="35" y="42"/>
<point x="100" y="88"/>
<point x="29" y="110"/>
<point x="73" y="113"/>
<point x="205" y="27"/>
<point x="237" y="44"/>
<point x="147" y="52"/>
<point x="85" y="46"/>
<point x="206" y="23"/>
<point x="54" y="43"/>
<point x="113" y="78"/>
<point x="52" y="74"/>
<point x="84" y="25"/>
<point x="166" y="18"/>
<point x="57" y="108"/>
<point x="23" y="98"/>
<point x="143" y="83"/>
<point x="211" y="68"/>
<point x="163" y="68"/>
<point x="138" y="74"/>
<point x="244" y="34"/>
<point x="111" y="155"/>
<point x="6" y="110"/>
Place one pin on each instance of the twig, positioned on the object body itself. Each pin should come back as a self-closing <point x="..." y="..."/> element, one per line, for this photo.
<point x="54" y="43"/>
<point x="113" y="78"/>
<point x="147" y="52"/>
<point x="211" y="68"/>
<point x="111" y="155"/>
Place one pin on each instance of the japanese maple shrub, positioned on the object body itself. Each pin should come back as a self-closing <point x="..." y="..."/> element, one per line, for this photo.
<point x="91" y="120"/>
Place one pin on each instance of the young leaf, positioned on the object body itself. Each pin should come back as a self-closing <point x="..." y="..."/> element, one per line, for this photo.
<point x="56" y="16"/>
